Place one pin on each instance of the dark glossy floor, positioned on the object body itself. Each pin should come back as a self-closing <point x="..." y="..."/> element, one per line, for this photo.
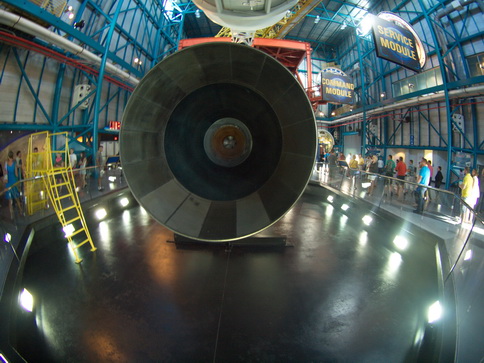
<point x="340" y="291"/>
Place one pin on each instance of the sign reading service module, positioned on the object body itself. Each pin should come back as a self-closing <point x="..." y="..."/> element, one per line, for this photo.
<point x="337" y="88"/>
<point x="397" y="42"/>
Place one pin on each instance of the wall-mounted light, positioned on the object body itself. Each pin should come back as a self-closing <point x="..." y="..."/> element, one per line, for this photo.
<point x="79" y="24"/>
<point x="333" y="113"/>
<point x="317" y="19"/>
<point x="365" y="25"/>
<point x="411" y="85"/>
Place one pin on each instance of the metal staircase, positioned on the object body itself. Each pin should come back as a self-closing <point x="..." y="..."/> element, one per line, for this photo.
<point x="59" y="183"/>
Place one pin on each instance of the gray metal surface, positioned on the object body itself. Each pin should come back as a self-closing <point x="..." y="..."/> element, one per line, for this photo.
<point x="170" y="117"/>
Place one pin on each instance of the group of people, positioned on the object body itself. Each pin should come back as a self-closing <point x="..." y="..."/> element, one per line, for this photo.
<point x="14" y="171"/>
<point x="472" y="185"/>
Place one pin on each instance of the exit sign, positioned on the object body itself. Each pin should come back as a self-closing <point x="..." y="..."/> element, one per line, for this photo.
<point x="114" y="125"/>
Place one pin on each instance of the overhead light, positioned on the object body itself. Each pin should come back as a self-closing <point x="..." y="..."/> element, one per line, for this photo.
<point x="317" y="19"/>
<point x="382" y="95"/>
<point x="112" y="178"/>
<point x="321" y="113"/>
<point x="333" y="113"/>
<point x="345" y="207"/>
<point x="124" y="202"/>
<point x="101" y="213"/>
<point x="7" y="238"/>
<point x="366" y="24"/>
<point x="70" y="16"/>
<point x="343" y="26"/>
<point x="435" y="312"/>
<point x="330" y="199"/>
<point x="197" y="13"/>
<point x="468" y="255"/>
<point x="137" y="61"/>
<point x="27" y="300"/>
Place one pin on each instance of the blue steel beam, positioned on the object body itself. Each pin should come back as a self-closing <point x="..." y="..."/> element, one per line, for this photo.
<point x="29" y="85"/>
<point x="71" y="31"/>
<point x="97" y="99"/>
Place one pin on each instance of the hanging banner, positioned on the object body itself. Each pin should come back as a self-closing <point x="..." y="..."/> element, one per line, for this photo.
<point x="397" y="42"/>
<point x="337" y="88"/>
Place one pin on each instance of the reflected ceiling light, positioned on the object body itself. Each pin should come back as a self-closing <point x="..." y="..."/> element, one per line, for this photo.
<point x="112" y="179"/>
<point x="329" y="210"/>
<point x="317" y="19"/>
<point x="345" y="207"/>
<point x="367" y="219"/>
<point x="365" y="185"/>
<point x="27" y="300"/>
<point x="366" y="25"/>
<point x="468" y="255"/>
<point x="68" y="230"/>
<point x="400" y="242"/>
<point x="124" y="202"/>
<point x="363" y="237"/>
<point x="101" y="213"/>
<point x="435" y="312"/>
<point x="330" y="199"/>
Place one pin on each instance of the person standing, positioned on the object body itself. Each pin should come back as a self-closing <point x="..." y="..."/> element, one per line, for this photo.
<point x="438" y="181"/>
<point x="481" y="191"/>
<point x="20" y="170"/>
<point x="372" y="168"/>
<point x="332" y="164"/>
<point x="389" y="170"/>
<point x="353" y="170"/>
<point x="11" y="178"/>
<point x="475" y="189"/>
<point x="100" y="167"/>
<point x="423" y="181"/>
<point x="401" y="170"/>
<point x="466" y="194"/>
<point x="82" y="170"/>
<point x="381" y="164"/>
<point x="72" y="159"/>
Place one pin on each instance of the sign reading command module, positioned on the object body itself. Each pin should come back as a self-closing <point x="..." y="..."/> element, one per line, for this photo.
<point x="396" y="44"/>
<point x="337" y="88"/>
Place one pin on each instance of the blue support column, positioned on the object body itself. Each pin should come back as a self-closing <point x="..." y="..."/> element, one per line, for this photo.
<point x="97" y="99"/>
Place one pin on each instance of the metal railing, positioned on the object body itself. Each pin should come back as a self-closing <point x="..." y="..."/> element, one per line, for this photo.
<point x="463" y="268"/>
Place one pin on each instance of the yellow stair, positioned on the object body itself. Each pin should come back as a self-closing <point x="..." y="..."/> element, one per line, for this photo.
<point x="60" y="185"/>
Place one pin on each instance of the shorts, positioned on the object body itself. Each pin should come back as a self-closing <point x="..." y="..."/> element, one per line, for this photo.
<point x="402" y="178"/>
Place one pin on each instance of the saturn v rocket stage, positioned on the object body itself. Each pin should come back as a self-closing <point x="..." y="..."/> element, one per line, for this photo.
<point x="218" y="141"/>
